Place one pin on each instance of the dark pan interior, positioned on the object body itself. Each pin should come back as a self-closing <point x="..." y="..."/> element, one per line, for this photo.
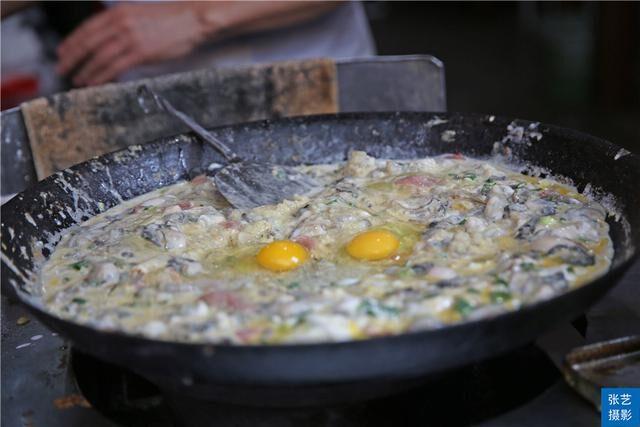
<point x="210" y="370"/>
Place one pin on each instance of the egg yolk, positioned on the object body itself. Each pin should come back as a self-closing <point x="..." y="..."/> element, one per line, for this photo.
<point x="282" y="255"/>
<point x="373" y="245"/>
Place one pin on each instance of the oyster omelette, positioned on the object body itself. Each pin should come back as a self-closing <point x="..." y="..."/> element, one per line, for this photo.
<point x="384" y="247"/>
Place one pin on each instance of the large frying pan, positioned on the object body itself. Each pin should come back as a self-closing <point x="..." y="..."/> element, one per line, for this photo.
<point x="302" y="374"/>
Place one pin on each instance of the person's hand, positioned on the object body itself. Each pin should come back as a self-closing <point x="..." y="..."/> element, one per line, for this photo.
<point x="128" y="35"/>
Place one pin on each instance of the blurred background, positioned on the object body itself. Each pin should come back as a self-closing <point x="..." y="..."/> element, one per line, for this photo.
<point x="574" y="64"/>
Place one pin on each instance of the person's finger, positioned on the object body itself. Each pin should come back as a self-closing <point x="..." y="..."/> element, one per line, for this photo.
<point x="106" y="54"/>
<point x="92" y="24"/>
<point x="84" y="39"/>
<point x="116" y="67"/>
<point x="82" y="49"/>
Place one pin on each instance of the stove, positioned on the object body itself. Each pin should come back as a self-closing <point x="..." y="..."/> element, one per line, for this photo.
<point x="480" y="392"/>
<point x="45" y="382"/>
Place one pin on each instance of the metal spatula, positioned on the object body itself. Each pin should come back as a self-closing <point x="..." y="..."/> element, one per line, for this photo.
<point x="244" y="184"/>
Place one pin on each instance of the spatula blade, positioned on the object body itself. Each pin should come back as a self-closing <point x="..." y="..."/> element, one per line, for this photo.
<point x="247" y="185"/>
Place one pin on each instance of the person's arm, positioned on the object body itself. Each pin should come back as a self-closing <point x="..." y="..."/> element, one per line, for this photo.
<point x="132" y="34"/>
<point x="230" y="18"/>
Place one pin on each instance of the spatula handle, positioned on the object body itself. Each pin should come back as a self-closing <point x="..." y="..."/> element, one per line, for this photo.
<point x="145" y="93"/>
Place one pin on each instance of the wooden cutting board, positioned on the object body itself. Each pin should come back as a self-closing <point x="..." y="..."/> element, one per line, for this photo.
<point x="71" y="127"/>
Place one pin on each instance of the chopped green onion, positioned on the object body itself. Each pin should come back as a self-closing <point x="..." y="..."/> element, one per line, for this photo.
<point x="527" y="266"/>
<point x="500" y="296"/>
<point x="468" y="175"/>
<point x="487" y="186"/>
<point x="79" y="265"/>
<point x="405" y="272"/>
<point x="301" y="318"/>
<point x="462" y="306"/>
<point x="373" y="309"/>
<point x="500" y="281"/>
<point x="367" y="307"/>
<point x="547" y="220"/>
<point x="392" y="311"/>
<point x="79" y="300"/>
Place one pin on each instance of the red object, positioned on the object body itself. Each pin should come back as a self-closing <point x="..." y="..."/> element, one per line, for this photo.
<point x="226" y="300"/>
<point x="456" y="156"/>
<point x="200" y="179"/>
<point x="248" y="334"/>
<point x="231" y="224"/>
<point x="418" y="181"/>
<point x="185" y="205"/>
<point x="307" y="242"/>
<point x="18" y="88"/>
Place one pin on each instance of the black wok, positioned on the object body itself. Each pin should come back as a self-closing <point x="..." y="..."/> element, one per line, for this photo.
<point x="302" y="374"/>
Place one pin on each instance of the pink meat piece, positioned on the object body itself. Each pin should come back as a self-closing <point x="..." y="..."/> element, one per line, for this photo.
<point x="226" y="300"/>
<point x="230" y="224"/>
<point x="418" y="181"/>
<point x="200" y="179"/>
<point x="306" y="241"/>
<point x="185" y="204"/>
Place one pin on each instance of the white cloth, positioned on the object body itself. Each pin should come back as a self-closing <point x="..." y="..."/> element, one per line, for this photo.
<point x="341" y="33"/>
